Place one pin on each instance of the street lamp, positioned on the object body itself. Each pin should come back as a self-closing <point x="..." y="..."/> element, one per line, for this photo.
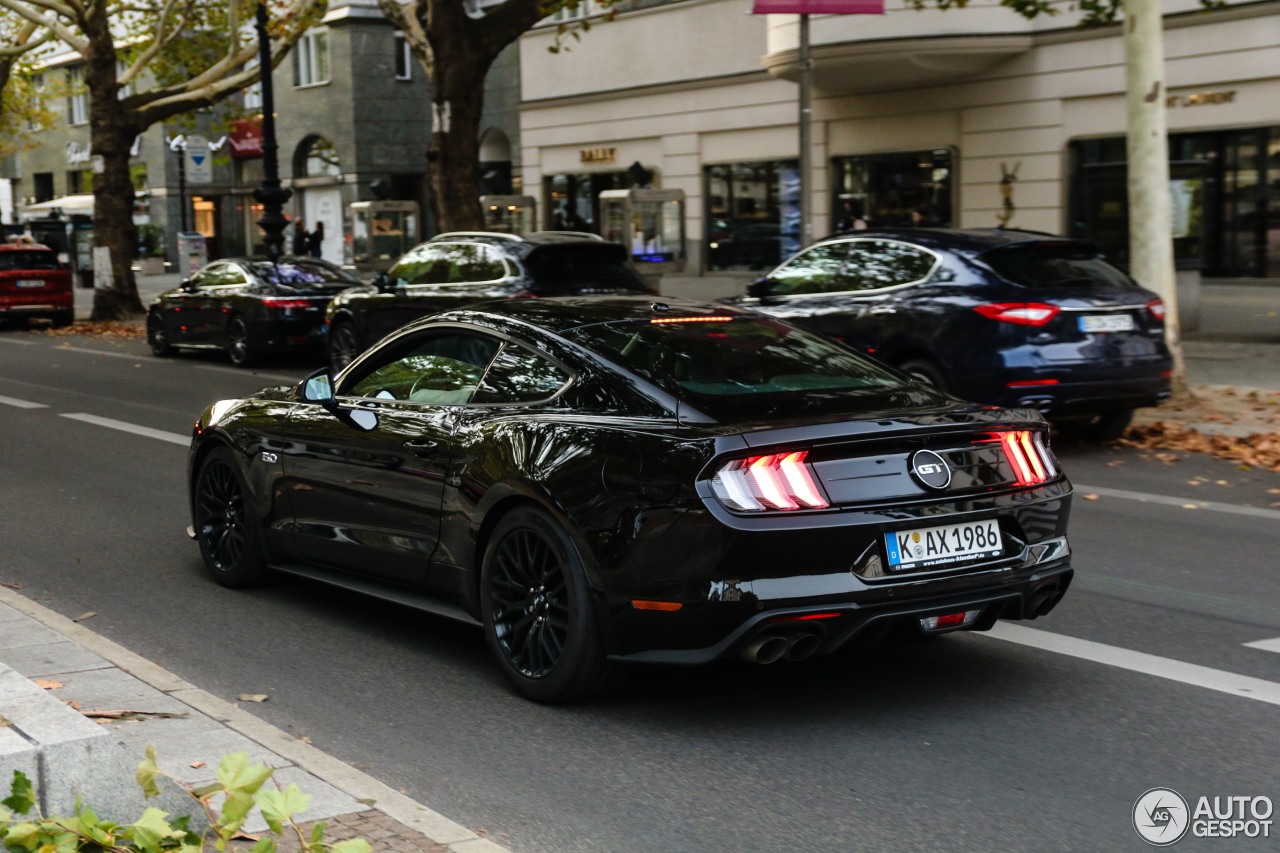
<point x="270" y="195"/>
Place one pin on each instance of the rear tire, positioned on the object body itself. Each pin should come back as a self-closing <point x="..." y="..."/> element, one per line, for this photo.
<point x="924" y="370"/>
<point x="62" y="319"/>
<point x="537" y="611"/>
<point x="157" y="338"/>
<point x="239" y="349"/>
<point x="1105" y="426"/>
<point x="344" y="345"/>
<point x="228" y="532"/>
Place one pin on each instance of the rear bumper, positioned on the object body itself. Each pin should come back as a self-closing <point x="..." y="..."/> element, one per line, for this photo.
<point x="1073" y="394"/>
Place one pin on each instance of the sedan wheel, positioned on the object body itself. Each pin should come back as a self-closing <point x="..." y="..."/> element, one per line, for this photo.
<point x="537" y="612"/>
<point x="156" y="337"/>
<point x="238" y="349"/>
<point x="923" y="370"/>
<point x="344" y="345"/>
<point x="229" y="536"/>
<point x="1107" y="426"/>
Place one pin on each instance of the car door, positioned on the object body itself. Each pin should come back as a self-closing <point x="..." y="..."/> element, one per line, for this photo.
<point x="203" y="305"/>
<point x="183" y="310"/>
<point x="889" y="305"/>
<point x="366" y="484"/>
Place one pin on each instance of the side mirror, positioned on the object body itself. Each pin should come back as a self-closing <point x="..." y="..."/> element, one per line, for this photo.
<point x="188" y="284"/>
<point x="761" y="287"/>
<point x="317" y="388"/>
<point x="383" y="282"/>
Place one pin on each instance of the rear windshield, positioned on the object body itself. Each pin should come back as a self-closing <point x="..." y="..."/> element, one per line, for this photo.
<point x="575" y="267"/>
<point x="1054" y="264"/>
<point x="742" y="366"/>
<point x="303" y="274"/>
<point x="28" y="259"/>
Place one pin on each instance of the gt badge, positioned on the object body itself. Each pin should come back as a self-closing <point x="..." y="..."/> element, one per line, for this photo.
<point x="930" y="469"/>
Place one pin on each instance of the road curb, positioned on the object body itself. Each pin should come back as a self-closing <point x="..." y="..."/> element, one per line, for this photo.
<point x="347" y="779"/>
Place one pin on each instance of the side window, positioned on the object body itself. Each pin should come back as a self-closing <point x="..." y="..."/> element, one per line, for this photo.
<point x="424" y="265"/>
<point x="519" y="376"/>
<point x="819" y="270"/>
<point x="874" y="264"/>
<point x="435" y="368"/>
<point x="219" y="275"/>
<point x="474" y="262"/>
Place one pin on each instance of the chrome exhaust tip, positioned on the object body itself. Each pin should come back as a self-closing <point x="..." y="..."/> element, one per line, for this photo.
<point x="802" y="646"/>
<point x="766" y="649"/>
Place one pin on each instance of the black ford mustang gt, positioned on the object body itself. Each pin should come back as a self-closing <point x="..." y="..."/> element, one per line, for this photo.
<point x="606" y="481"/>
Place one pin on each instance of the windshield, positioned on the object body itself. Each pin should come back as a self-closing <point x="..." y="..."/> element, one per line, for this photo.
<point x="303" y="273"/>
<point x="742" y="366"/>
<point x="575" y="267"/>
<point x="23" y="259"/>
<point x="1055" y="263"/>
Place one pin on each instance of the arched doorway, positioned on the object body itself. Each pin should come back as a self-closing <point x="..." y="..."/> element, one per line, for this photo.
<point x="317" y="161"/>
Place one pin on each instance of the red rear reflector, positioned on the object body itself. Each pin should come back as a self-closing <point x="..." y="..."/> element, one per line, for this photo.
<point x="1165" y="374"/>
<point x="668" y="606"/>
<point x="709" y="319"/>
<point x="950" y="621"/>
<point x="1022" y="313"/>
<point x="1156" y="307"/>
<point x="283" y="302"/>
<point x="1030" y="383"/>
<point x="803" y="617"/>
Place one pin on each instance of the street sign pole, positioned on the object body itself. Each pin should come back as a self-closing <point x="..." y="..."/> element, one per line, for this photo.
<point x="806" y="141"/>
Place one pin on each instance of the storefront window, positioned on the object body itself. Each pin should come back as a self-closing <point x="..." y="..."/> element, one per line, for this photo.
<point x="573" y="201"/>
<point x="753" y="214"/>
<point x="898" y="190"/>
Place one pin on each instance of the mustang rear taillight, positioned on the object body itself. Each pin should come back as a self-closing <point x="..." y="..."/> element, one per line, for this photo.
<point x="284" y="302"/>
<point x="1156" y="308"/>
<point x="1022" y="313"/>
<point x="1028" y="456"/>
<point x="778" y="481"/>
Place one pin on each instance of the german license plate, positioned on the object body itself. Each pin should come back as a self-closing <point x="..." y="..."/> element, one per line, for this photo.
<point x="1106" y="323"/>
<point x="30" y="282"/>
<point x="933" y="547"/>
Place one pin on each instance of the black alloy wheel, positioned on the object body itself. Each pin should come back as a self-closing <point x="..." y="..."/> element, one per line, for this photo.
<point x="157" y="339"/>
<point x="1106" y="426"/>
<point x="537" y="611"/>
<point x="230" y="538"/>
<point x="344" y="345"/>
<point x="238" y="348"/>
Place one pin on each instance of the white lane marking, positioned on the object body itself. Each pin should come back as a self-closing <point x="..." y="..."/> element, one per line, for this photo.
<point x="135" y="357"/>
<point x="111" y="423"/>
<point x="1167" y="500"/>
<point x="19" y="343"/>
<point x="1174" y="670"/>
<point x="1265" y="645"/>
<point x="21" y="404"/>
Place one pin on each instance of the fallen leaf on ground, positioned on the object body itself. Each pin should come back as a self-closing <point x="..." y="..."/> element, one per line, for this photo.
<point x="1115" y="462"/>
<point x="84" y="616"/>
<point x="253" y="697"/>
<point x="197" y="764"/>
<point x="11" y="585"/>
<point x="103" y="716"/>
<point x="244" y="836"/>
<point x="1190" y="506"/>
<point x="1090" y="497"/>
<point x="305" y="738"/>
<point x="109" y="329"/>
<point x="48" y="683"/>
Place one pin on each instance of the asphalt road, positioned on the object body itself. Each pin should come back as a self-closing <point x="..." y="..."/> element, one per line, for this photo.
<point x="966" y="743"/>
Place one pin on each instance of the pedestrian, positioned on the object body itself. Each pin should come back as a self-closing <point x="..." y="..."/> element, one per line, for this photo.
<point x="300" y="238"/>
<point x="315" y="239"/>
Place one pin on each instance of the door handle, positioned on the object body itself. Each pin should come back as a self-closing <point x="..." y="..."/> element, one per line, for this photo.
<point x="883" y="311"/>
<point x="422" y="446"/>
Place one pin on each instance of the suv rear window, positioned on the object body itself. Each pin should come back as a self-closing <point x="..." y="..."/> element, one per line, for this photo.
<point x="1055" y="263"/>
<point x="741" y="366"/>
<point x="28" y="259"/>
<point x="574" y="267"/>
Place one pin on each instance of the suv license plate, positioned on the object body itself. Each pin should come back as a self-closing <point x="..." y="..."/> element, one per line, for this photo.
<point x="932" y="547"/>
<point x="1106" y="323"/>
<point x="30" y="282"/>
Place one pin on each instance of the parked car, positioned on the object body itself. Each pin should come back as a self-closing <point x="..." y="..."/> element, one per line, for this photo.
<point x="615" y="480"/>
<point x="460" y="267"/>
<point x="247" y="307"/>
<point x="1011" y="318"/>
<point x="34" y="284"/>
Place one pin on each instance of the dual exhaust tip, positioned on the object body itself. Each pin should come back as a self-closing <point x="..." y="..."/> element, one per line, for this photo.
<point x="771" y="648"/>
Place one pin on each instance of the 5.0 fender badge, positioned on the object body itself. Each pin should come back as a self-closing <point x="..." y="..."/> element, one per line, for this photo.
<point x="930" y="469"/>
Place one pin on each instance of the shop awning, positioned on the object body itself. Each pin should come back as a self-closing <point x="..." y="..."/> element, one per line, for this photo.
<point x="68" y="205"/>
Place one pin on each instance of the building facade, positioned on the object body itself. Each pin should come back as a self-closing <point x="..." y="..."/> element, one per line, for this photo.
<point x="969" y="117"/>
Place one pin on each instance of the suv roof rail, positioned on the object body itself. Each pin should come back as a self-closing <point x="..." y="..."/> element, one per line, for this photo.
<point x="586" y="235"/>
<point x="497" y="235"/>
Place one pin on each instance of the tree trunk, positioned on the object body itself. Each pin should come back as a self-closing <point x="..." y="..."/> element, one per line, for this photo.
<point x="111" y="133"/>
<point x="457" y="99"/>
<point x="1150" y="215"/>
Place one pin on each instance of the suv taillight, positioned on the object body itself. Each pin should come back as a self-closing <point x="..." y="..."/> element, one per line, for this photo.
<point x="1156" y="308"/>
<point x="1022" y="313"/>
<point x="1028" y="455"/>
<point x="778" y="481"/>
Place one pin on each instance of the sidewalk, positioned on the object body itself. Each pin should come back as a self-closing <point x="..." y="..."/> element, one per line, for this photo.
<point x="57" y="674"/>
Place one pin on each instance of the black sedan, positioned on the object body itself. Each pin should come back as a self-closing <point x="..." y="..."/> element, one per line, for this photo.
<point x="462" y="267"/>
<point x="247" y="307"/>
<point x="609" y="481"/>
<point x="1011" y="318"/>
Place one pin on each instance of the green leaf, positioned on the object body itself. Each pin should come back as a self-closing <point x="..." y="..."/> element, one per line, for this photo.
<point x="25" y="834"/>
<point x="22" y="797"/>
<point x="151" y="829"/>
<point x="354" y="845"/>
<point x="235" y="773"/>
<point x="235" y="809"/>
<point x="147" y="772"/>
<point x="279" y="806"/>
<point x="317" y="832"/>
<point x="264" y="845"/>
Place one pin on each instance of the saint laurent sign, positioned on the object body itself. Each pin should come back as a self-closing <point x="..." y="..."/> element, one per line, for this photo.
<point x="1200" y="99"/>
<point x="599" y="155"/>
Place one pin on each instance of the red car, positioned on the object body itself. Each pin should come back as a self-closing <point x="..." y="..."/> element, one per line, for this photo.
<point x="34" y="284"/>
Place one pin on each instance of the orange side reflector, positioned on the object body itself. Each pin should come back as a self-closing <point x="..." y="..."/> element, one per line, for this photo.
<point x="656" y="605"/>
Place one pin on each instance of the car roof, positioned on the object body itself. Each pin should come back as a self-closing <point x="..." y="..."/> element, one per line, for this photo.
<point x="560" y="314"/>
<point x="520" y="245"/>
<point x="24" y="247"/>
<point x="972" y="241"/>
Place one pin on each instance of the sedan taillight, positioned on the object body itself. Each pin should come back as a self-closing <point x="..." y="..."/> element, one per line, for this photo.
<point x="1028" y="456"/>
<point x="286" y="302"/>
<point x="778" y="481"/>
<point x="1156" y="308"/>
<point x="1022" y="313"/>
